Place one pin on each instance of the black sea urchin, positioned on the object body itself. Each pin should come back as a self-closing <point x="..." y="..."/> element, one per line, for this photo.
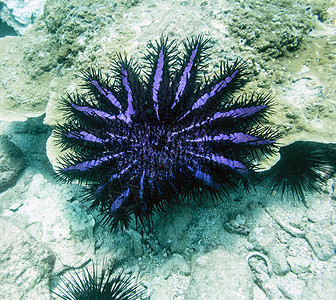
<point x="98" y="284"/>
<point x="145" y="141"/>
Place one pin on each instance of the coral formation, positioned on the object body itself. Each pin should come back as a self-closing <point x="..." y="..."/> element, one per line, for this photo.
<point x="273" y="27"/>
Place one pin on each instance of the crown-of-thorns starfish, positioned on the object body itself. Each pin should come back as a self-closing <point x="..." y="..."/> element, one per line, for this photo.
<point x="146" y="140"/>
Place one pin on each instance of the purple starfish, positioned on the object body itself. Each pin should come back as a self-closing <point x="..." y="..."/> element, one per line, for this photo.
<point x="145" y="141"/>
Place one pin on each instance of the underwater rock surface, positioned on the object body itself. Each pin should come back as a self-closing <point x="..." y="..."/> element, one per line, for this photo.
<point x="26" y="264"/>
<point x="11" y="163"/>
<point x="221" y="274"/>
<point x="55" y="218"/>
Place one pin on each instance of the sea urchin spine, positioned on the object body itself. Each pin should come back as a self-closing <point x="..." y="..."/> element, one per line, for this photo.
<point x="98" y="284"/>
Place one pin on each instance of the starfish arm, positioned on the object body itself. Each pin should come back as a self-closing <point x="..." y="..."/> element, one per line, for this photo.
<point x="89" y="164"/>
<point x="100" y="88"/>
<point x="236" y="138"/>
<point x="186" y="81"/>
<point x="119" y="201"/>
<point x="235" y="165"/>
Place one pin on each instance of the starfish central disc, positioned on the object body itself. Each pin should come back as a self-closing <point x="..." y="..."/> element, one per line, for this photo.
<point x="156" y="150"/>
